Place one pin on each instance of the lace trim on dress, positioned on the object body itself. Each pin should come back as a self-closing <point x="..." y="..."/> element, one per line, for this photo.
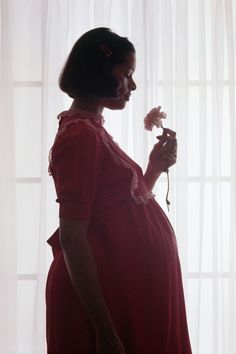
<point x="98" y="118"/>
<point x="113" y="149"/>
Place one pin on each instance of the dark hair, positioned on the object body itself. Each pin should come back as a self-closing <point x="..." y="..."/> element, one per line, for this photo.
<point x="87" y="70"/>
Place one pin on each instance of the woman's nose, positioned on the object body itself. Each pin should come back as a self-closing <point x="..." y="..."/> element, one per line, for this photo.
<point x="133" y="85"/>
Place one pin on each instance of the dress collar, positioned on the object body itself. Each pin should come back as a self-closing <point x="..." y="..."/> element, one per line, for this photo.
<point x="98" y="118"/>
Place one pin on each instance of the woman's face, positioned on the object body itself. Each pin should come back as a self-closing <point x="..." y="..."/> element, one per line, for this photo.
<point x="123" y="73"/>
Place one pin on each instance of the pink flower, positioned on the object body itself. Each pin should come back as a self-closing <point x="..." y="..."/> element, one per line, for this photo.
<point x="154" y="117"/>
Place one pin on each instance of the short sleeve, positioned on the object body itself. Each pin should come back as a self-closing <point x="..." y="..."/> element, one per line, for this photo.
<point x="76" y="169"/>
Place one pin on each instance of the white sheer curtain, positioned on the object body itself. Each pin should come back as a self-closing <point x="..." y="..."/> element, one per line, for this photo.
<point x="8" y="266"/>
<point x="186" y="64"/>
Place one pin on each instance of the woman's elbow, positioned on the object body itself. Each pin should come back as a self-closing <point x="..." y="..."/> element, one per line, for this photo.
<point x="72" y="232"/>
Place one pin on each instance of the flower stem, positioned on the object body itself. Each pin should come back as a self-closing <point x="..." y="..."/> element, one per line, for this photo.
<point x="168" y="188"/>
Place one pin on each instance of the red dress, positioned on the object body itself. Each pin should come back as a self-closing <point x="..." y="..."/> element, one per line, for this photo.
<point x="133" y="243"/>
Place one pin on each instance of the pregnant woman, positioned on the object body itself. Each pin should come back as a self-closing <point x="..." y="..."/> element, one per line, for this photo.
<point x="114" y="285"/>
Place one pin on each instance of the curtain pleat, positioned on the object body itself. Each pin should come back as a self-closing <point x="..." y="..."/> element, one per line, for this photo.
<point x="181" y="123"/>
<point x="217" y="105"/>
<point x="8" y="216"/>
<point x="231" y="50"/>
<point x="202" y="118"/>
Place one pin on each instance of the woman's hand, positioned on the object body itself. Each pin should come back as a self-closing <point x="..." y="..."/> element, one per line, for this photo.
<point x="108" y="343"/>
<point x="164" y="153"/>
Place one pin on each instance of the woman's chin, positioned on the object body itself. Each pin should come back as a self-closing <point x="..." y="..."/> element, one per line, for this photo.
<point x="116" y="104"/>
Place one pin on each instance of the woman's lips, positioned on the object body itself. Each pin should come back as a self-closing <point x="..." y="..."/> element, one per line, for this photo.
<point x="127" y="96"/>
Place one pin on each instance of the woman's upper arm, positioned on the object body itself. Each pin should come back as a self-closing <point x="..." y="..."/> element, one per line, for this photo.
<point x="76" y="173"/>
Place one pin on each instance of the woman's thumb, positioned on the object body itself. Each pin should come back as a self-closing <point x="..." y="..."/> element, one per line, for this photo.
<point x="161" y="141"/>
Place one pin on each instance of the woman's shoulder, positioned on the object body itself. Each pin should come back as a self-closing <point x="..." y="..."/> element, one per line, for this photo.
<point x="75" y="133"/>
<point x="73" y="123"/>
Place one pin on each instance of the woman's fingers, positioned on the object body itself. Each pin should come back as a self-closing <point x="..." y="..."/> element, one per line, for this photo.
<point x="169" y="131"/>
<point x="169" y="158"/>
<point x="168" y="143"/>
<point x="169" y="155"/>
<point x="166" y="137"/>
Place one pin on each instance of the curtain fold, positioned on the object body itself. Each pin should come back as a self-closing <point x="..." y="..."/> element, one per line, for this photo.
<point x="8" y="218"/>
<point x="185" y="63"/>
<point x="181" y="113"/>
<point x="231" y="50"/>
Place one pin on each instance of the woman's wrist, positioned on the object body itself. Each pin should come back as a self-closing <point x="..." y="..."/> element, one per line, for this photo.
<point x="151" y="175"/>
<point x="153" y="172"/>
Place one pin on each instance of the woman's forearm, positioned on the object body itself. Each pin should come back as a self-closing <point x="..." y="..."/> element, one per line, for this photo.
<point x="83" y="273"/>
<point x="151" y="177"/>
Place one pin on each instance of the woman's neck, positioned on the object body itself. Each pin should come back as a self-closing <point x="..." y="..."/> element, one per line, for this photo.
<point x="93" y="105"/>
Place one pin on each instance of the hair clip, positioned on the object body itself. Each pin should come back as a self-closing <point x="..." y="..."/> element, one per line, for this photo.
<point x="104" y="48"/>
